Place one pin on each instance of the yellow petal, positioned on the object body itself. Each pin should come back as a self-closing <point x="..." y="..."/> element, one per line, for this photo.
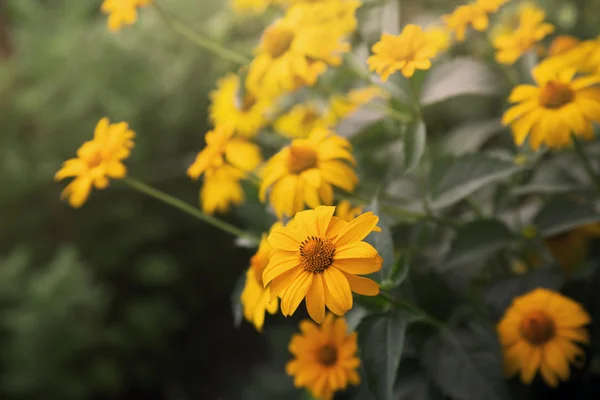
<point x="315" y="299"/>
<point x="355" y="250"/>
<point x="338" y="287"/>
<point x="363" y="286"/>
<point x="296" y="292"/>
<point x="357" y="229"/>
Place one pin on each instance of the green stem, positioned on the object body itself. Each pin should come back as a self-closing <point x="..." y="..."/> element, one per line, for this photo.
<point x="189" y="209"/>
<point x="389" y="111"/>
<point x="206" y="43"/>
<point x="415" y="98"/>
<point x="413" y="308"/>
<point x="585" y="161"/>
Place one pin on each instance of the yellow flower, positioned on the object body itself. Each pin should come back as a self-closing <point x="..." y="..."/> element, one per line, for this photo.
<point x="538" y="332"/>
<point x="247" y="115"/>
<point x="304" y="172"/>
<point x="560" y="105"/>
<point x="122" y="12"/>
<point x="439" y="38"/>
<point x="584" y="56"/>
<point x="412" y="49"/>
<point x="562" y="44"/>
<point x="256" y="299"/>
<point x="345" y="211"/>
<point x="221" y="189"/>
<point x="325" y="358"/>
<point x="296" y="49"/>
<point x="300" y="120"/>
<point x="245" y="7"/>
<point x="97" y="160"/>
<point x="463" y="16"/>
<point x="221" y="146"/>
<point x="341" y="106"/>
<point x="532" y="28"/>
<point x="319" y="257"/>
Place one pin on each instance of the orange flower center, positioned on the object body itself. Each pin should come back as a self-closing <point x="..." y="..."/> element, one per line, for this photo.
<point x="327" y="355"/>
<point x="277" y="40"/>
<point x="537" y="328"/>
<point x="95" y="160"/>
<point x="302" y="157"/>
<point x="316" y="254"/>
<point x="556" y="94"/>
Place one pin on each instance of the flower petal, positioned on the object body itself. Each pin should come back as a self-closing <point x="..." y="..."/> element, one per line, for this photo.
<point x="315" y="299"/>
<point x="357" y="229"/>
<point x="296" y="292"/>
<point x="338" y="287"/>
<point x="363" y="286"/>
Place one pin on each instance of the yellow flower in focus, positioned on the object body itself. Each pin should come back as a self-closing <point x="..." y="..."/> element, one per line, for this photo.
<point x="319" y="257"/>
<point x="411" y="50"/>
<point x="539" y="332"/>
<point x="97" y="160"/>
<point x="247" y="7"/>
<point x="562" y="44"/>
<point x="256" y="299"/>
<point x="247" y="115"/>
<point x="560" y="105"/>
<point x="297" y="49"/>
<point x="122" y="12"/>
<point x="300" y="120"/>
<point x="345" y="211"/>
<point x="510" y="46"/>
<point x="463" y="16"/>
<point x="221" y="146"/>
<point x="221" y="189"/>
<point x="325" y="358"/>
<point x="341" y="106"/>
<point x="305" y="171"/>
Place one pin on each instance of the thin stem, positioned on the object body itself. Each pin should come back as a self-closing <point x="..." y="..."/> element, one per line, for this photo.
<point x="413" y="308"/>
<point x="585" y="161"/>
<point x="187" y="208"/>
<point x="389" y="111"/>
<point x="206" y="43"/>
<point x="415" y="98"/>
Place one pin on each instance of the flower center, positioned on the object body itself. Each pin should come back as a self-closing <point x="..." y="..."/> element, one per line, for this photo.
<point x="556" y="94"/>
<point x="302" y="157"/>
<point x="248" y="103"/>
<point x="316" y="254"/>
<point x="95" y="160"/>
<point x="277" y="40"/>
<point x="327" y="355"/>
<point x="537" y="328"/>
<point x="310" y="116"/>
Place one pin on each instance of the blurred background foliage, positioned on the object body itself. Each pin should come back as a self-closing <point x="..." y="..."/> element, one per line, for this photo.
<point x="127" y="298"/>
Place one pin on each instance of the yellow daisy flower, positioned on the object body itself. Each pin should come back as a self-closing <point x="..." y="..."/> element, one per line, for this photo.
<point x="345" y="211"/>
<point x="341" y="106"/>
<point x="562" y="44"/>
<point x="584" y="56"/>
<point x="247" y="115"/>
<point x="463" y="16"/>
<point x="538" y="333"/>
<point x="439" y="38"/>
<point x="560" y="105"/>
<point x="411" y="50"/>
<point x="221" y="146"/>
<point x="301" y="120"/>
<point x="97" y="160"/>
<point x="246" y="7"/>
<point x="305" y="171"/>
<point x="296" y="49"/>
<point x="221" y="189"/>
<point x="325" y="358"/>
<point x="256" y="299"/>
<point x="510" y="46"/>
<point x="319" y="258"/>
<point x="122" y="12"/>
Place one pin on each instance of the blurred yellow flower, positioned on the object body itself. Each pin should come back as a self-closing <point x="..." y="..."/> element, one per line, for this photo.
<point x="221" y="189"/>
<point x="305" y="171"/>
<point x="246" y="7"/>
<point x="538" y="333"/>
<point x="97" y="160"/>
<point x="300" y="120"/>
<point x="562" y="44"/>
<point x="411" y="50"/>
<point x="439" y="37"/>
<point x="341" y="106"/>
<point x="256" y="299"/>
<point x="221" y="146"/>
<point x="325" y="359"/>
<point x="560" y="105"/>
<point x="296" y="49"/>
<point x="463" y="16"/>
<point x="319" y="257"/>
<point x="345" y="211"/>
<point x="122" y="12"/>
<point x="247" y="113"/>
<point x="584" y="56"/>
<point x="510" y="46"/>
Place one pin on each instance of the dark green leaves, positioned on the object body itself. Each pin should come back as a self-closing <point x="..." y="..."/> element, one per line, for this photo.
<point x="476" y="240"/>
<point x="562" y="214"/>
<point x="454" y="178"/>
<point x="466" y="362"/>
<point x="381" y="340"/>
<point x="414" y="145"/>
<point x="236" y="304"/>
<point x="383" y="242"/>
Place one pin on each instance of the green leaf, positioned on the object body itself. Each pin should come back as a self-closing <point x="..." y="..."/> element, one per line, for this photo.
<point x="469" y="137"/>
<point x="414" y="145"/>
<point x="562" y="214"/>
<point x="459" y="77"/>
<point x="454" y="178"/>
<point x="413" y="383"/>
<point x="477" y="240"/>
<point x="383" y="242"/>
<point x="466" y="362"/>
<point x="381" y="340"/>
<point x="399" y="272"/>
<point x="236" y="303"/>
